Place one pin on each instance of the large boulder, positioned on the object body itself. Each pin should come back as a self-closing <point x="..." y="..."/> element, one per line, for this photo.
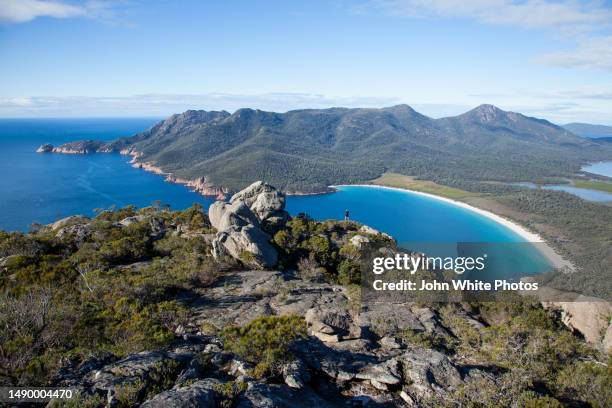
<point x="263" y="199"/>
<point x="224" y="216"/>
<point x="243" y="225"/>
<point x="248" y="244"/>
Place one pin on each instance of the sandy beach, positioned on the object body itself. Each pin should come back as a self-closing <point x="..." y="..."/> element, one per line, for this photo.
<point x="557" y="260"/>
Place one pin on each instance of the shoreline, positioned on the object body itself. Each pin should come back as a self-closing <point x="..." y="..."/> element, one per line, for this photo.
<point x="544" y="248"/>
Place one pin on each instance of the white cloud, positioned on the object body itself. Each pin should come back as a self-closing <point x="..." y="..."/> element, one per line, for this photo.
<point x="592" y="53"/>
<point x="567" y="15"/>
<point x="586" y="22"/>
<point x="21" y="11"/>
<point x="166" y="104"/>
<point x="161" y="105"/>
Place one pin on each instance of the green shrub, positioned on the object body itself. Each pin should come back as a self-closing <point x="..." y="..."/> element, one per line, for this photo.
<point x="349" y="272"/>
<point x="587" y="381"/>
<point x="265" y="341"/>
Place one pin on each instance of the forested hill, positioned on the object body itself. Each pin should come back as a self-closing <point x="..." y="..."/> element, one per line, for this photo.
<point x="307" y="150"/>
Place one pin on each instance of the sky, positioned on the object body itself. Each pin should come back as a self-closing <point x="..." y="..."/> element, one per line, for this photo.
<point x="102" y="58"/>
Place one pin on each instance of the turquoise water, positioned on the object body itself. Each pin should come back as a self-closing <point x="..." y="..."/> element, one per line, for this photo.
<point x="435" y="227"/>
<point x="601" y="168"/>
<point x="407" y="217"/>
<point x="42" y="188"/>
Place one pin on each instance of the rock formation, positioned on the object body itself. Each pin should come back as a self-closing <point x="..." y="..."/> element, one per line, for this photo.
<point x="244" y="224"/>
<point x="45" y="148"/>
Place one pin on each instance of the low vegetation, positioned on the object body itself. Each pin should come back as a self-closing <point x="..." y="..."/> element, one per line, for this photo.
<point x="593" y="185"/>
<point x="265" y="342"/>
<point x="120" y="283"/>
<point x="534" y="361"/>
<point x="425" y="186"/>
<point x="99" y="287"/>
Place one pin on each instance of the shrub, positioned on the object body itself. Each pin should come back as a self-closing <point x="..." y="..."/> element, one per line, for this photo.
<point x="309" y="269"/>
<point x="349" y="272"/>
<point x="590" y="382"/>
<point x="265" y="341"/>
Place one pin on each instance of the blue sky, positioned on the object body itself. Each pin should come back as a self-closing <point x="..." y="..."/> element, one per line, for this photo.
<point x="551" y="59"/>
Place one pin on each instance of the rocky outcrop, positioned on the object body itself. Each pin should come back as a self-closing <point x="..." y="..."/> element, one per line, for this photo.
<point x="80" y="147"/>
<point x="263" y="199"/>
<point x="589" y="316"/>
<point x="223" y="216"/>
<point x="356" y="368"/>
<point x="245" y="222"/>
<point x="280" y="396"/>
<point x="45" y="148"/>
<point x="69" y="221"/>
<point x="200" y="394"/>
<point x="200" y="185"/>
<point x="332" y="324"/>
<point x="429" y="372"/>
<point x="248" y="244"/>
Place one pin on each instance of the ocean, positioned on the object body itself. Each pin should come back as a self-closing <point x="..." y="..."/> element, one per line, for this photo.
<point x="41" y="188"/>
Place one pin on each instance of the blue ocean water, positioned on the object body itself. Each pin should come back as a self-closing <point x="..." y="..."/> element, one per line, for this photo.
<point x="41" y="188"/>
<point x="36" y="187"/>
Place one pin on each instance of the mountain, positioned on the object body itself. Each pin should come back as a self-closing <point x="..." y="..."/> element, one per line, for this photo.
<point x="308" y="150"/>
<point x="587" y="130"/>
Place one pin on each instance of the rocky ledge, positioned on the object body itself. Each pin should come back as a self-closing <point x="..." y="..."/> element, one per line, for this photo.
<point x="340" y="362"/>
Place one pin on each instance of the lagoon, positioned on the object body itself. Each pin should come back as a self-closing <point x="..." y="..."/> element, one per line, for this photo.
<point x="584" y="193"/>
<point x="601" y="168"/>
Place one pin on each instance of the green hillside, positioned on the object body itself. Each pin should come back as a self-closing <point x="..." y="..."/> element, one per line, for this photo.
<point x="307" y="150"/>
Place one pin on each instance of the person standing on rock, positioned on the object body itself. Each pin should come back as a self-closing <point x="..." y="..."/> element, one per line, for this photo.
<point x="346" y="215"/>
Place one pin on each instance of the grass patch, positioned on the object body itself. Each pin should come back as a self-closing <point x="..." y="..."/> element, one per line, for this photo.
<point x="593" y="185"/>
<point x="425" y="186"/>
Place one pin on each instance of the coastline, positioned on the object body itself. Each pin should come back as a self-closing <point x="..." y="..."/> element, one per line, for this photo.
<point x="201" y="185"/>
<point x="204" y="187"/>
<point x="545" y="249"/>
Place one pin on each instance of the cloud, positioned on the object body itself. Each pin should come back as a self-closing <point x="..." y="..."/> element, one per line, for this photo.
<point x="586" y="23"/>
<point x="600" y="94"/>
<point x="161" y="105"/>
<point x="21" y="11"/>
<point x="594" y="53"/>
<point x="567" y="15"/>
<point x="166" y="104"/>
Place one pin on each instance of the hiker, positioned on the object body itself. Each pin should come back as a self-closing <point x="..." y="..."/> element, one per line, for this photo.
<point x="346" y="215"/>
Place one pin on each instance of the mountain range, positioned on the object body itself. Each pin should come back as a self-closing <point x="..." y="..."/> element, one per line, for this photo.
<point x="308" y="150"/>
